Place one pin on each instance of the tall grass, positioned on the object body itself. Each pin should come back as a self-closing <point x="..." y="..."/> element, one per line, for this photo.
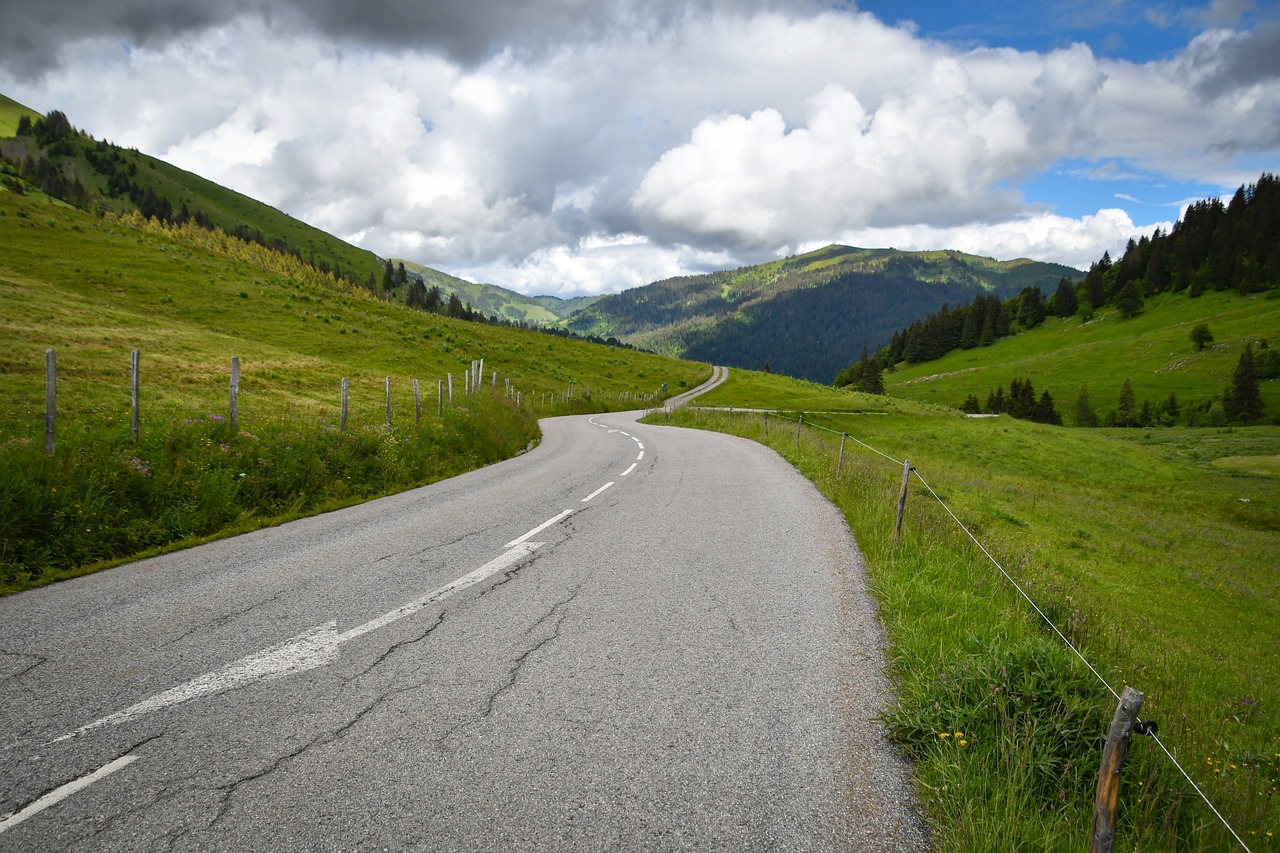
<point x="101" y="498"/>
<point x="1003" y="724"/>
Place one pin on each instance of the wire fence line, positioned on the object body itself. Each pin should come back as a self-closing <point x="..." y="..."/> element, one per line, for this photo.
<point x="801" y="423"/>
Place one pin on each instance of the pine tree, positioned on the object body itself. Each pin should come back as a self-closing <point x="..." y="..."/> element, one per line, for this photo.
<point x="1129" y="299"/>
<point x="971" y="405"/>
<point x="1045" y="411"/>
<point x="1243" y="400"/>
<point x="1085" y="416"/>
<point x="1064" y="302"/>
<point x="995" y="402"/>
<point x="1125" y="415"/>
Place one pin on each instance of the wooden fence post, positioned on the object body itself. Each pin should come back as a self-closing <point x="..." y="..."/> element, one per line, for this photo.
<point x="766" y="426"/>
<point x="345" y="388"/>
<point x="388" y="404"/>
<point x="135" y="363"/>
<point x="799" y="424"/>
<point x="1103" y="837"/>
<point x="731" y="417"/>
<point x="50" y="399"/>
<point x="235" y="388"/>
<point x="840" y="460"/>
<point x="902" y="502"/>
<point x="417" y="404"/>
<point x="449" y="376"/>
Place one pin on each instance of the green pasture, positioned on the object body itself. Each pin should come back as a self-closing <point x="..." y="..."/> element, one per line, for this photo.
<point x="1153" y="350"/>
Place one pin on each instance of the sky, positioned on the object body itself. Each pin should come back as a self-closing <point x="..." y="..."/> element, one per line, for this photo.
<point x="575" y="147"/>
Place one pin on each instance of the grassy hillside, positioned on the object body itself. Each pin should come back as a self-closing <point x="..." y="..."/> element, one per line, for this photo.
<point x="10" y="112"/>
<point x="1153" y="350"/>
<point x="95" y="288"/>
<point x="92" y="289"/>
<point x="1153" y="550"/>
<point x="805" y="316"/>
<point x="102" y="176"/>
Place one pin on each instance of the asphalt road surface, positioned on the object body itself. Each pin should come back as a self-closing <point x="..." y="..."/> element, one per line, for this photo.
<point x="631" y="637"/>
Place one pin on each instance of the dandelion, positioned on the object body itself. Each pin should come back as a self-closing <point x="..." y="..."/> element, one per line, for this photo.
<point x="944" y="735"/>
<point x="964" y="742"/>
<point x="959" y="734"/>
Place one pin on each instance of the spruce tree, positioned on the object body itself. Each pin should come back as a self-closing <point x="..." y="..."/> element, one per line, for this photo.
<point x="1243" y="400"/>
<point x="1085" y="415"/>
<point x="1129" y="299"/>
<point x="1125" y="415"/>
<point x="1045" y="411"/>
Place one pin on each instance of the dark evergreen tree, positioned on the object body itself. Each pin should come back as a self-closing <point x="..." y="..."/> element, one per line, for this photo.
<point x="995" y="404"/>
<point x="1085" y="416"/>
<point x="1126" y="416"/>
<point x="1031" y="307"/>
<point x="1129" y="299"/>
<point x="1045" y="411"/>
<point x="1243" y="399"/>
<point x="971" y="405"/>
<point x="1064" y="302"/>
<point x="1022" y="399"/>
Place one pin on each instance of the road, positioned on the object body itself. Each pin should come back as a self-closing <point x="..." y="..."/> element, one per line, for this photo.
<point x="631" y="637"/>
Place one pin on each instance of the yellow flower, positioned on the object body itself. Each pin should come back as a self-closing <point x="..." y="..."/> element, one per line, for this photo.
<point x="964" y="743"/>
<point x="944" y="734"/>
<point x="959" y="734"/>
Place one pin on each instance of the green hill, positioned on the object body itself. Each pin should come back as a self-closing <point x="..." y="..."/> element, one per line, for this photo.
<point x="497" y="301"/>
<point x="1153" y="350"/>
<point x="10" y="112"/>
<point x="803" y="316"/>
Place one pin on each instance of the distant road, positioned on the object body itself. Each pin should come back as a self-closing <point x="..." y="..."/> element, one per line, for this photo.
<point x="632" y="637"/>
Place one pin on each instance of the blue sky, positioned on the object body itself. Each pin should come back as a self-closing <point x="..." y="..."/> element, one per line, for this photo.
<point x="575" y="147"/>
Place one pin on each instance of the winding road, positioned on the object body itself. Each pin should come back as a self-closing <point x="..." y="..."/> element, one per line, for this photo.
<point x="631" y="637"/>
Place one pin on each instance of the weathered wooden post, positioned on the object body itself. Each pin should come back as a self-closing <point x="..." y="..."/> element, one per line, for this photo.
<point x="1103" y="837"/>
<point x="135" y="363"/>
<point x="235" y="389"/>
<point x="388" y="404"/>
<point x="799" y="424"/>
<point x="345" y="388"/>
<point x="840" y="460"/>
<point x="417" y="404"/>
<point x="766" y="426"/>
<point x="731" y="417"/>
<point x="449" y="376"/>
<point x="50" y="399"/>
<point x="902" y="502"/>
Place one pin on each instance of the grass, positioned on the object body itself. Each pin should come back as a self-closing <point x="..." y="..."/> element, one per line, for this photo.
<point x="10" y="112"/>
<point x="1153" y="350"/>
<point x="93" y="289"/>
<point x="1154" y="551"/>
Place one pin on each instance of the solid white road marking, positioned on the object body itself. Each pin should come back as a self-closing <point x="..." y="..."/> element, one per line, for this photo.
<point x="629" y="470"/>
<point x="597" y="491"/>
<point x="310" y="649"/>
<point x="57" y="795"/>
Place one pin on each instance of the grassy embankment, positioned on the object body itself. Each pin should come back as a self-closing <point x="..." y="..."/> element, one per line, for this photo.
<point x="1153" y="350"/>
<point x="93" y="289"/>
<point x="1154" y="550"/>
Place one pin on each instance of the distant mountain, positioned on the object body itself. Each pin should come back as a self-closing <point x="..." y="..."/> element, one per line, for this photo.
<point x="497" y="301"/>
<point x="809" y="315"/>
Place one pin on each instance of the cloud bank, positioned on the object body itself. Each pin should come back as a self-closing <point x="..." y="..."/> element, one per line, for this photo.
<point x="575" y="147"/>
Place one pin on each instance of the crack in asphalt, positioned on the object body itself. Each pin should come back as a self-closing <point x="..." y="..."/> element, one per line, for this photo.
<point x="39" y="660"/>
<point x="224" y="619"/>
<point x="228" y="791"/>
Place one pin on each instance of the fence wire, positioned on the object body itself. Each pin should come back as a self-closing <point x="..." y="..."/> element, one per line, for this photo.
<point x="899" y="462"/>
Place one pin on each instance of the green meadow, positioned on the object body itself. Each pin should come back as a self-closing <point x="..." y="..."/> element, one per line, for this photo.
<point x="94" y="288"/>
<point x="1155" y="551"/>
<point x="1153" y="350"/>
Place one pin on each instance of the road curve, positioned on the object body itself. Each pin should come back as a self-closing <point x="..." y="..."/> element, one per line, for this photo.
<point x="632" y="637"/>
